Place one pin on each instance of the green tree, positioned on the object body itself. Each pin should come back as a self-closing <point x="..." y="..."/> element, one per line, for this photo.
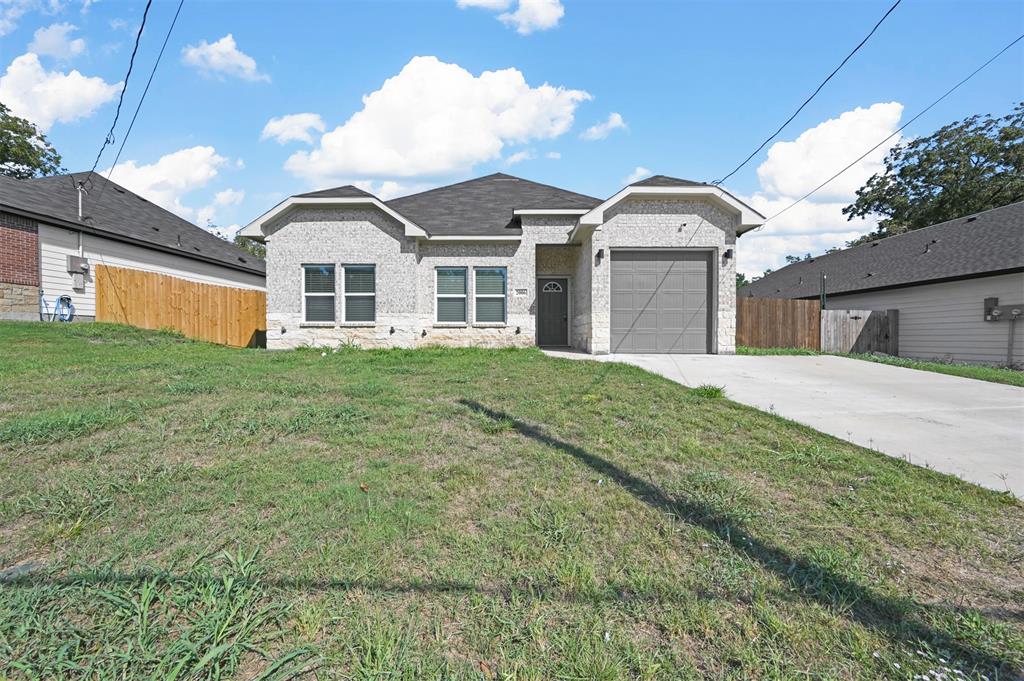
<point x="251" y="247"/>
<point x="24" y="151"/>
<point x="741" y="280"/>
<point x="965" y="167"/>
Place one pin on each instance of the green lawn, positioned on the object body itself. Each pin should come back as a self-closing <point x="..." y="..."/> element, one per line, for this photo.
<point x="171" y="509"/>
<point x="981" y="373"/>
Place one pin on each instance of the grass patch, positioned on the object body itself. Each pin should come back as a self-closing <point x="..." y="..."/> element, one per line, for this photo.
<point x="179" y="510"/>
<point x="709" y="391"/>
<point x="978" y="372"/>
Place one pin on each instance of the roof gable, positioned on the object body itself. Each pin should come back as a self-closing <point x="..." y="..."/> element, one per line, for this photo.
<point x="484" y="206"/>
<point x="974" y="245"/>
<point x="666" y="181"/>
<point x="116" y="212"/>
<point x="346" y="192"/>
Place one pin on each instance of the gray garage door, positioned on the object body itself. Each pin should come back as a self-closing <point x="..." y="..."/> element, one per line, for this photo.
<point x="661" y="301"/>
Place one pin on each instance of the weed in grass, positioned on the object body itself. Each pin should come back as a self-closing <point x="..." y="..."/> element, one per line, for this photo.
<point x="58" y="425"/>
<point x="199" y="625"/>
<point x="708" y="391"/>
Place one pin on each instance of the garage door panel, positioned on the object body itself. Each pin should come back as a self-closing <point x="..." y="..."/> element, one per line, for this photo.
<point x="660" y="301"/>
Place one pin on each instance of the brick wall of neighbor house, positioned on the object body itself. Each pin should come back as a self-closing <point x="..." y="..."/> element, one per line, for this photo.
<point x="665" y="223"/>
<point x="19" y="267"/>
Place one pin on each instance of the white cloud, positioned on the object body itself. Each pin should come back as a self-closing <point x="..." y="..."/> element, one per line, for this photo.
<point x="638" y="174"/>
<point x="520" y="156"/>
<point x="293" y="127"/>
<point x="56" y="41"/>
<point x="554" y="155"/>
<point x="601" y="131"/>
<point x="496" y="5"/>
<point x="794" y="168"/>
<point x="10" y="12"/>
<point x="529" y="16"/>
<point x="46" y="97"/>
<point x="86" y="4"/>
<point x="534" y="15"/>
<point x="172" y="176"/>
<point x="437" y="118"/>
<point x="223" y="58"/>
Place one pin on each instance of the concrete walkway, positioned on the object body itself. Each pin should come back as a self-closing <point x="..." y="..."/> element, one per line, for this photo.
<point x="968" y="428"/>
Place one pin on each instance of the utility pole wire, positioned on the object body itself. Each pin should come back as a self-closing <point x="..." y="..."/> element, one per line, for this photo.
<point x="131" y="63"/>
<point x="813" y="95"/>
<point x="135" y="115"/>
<point x="897" y="131"/>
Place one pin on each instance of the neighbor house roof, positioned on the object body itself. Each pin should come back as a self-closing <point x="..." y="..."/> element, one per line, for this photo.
<point x="117" y="213"/>
<point x="976" y="245"/>
<point x="484" y="206"/>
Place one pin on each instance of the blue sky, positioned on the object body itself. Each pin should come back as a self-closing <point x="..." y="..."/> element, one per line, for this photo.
<point x="401" y="96"/>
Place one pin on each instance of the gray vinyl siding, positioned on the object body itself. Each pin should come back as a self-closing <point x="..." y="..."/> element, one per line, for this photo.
<point x="945" y="321"/>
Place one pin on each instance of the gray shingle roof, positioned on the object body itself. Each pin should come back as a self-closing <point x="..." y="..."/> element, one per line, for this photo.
<point x="346" y="192"/>
<point x="120" y="213"/>
<point x="988" y="242"/>
<point x="666" y="181"/>
<point x="483" y="206"/>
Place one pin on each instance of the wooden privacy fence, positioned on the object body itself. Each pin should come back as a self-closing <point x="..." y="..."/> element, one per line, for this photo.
<point x="219" y="314"/>
<point x="778" y="323"/>
<point x="782" y="323"/>
<point x="846" y="331"/>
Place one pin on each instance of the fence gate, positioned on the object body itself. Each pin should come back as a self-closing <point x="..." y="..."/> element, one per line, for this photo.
<point x="860" y="331"/>
<point x="219" y="314"/>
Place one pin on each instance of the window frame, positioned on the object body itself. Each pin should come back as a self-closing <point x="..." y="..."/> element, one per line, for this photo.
<point x="305" y="294"/>
<point x="465" y="295"/>
<point x="503" y="296"/>
<point x="345" y="295"/>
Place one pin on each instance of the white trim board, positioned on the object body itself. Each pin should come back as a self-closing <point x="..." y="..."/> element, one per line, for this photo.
<point x="254" y="230"/>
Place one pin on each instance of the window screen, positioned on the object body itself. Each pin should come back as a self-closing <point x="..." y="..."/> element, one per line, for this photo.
<point x="360" y="293"/>
<point x="451" y="294"/>
<point x="489" y="294"/>
<point x="318" y="293"/>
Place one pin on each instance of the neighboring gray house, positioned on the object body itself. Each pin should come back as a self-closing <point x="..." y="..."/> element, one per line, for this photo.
<point x="938" y="277"/>
<point x="48" y="250"/>
<point x="502" y="261"/>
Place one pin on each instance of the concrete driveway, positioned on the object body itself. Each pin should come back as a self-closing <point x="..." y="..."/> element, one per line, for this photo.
<point x="968" y="428"/>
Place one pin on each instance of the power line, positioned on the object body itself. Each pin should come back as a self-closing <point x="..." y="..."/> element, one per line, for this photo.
<point x="813" y="95"/>
<point x="896" y="132"/>
<point x="131" y="63"/>
<point x="145" y="90"/>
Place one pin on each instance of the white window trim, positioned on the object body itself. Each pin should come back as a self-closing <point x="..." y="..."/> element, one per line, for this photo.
<point x="438" y="296"/>
<point x="477" y="322"/>
<point x="345" y="294"/>
<point x="306" y="322"/>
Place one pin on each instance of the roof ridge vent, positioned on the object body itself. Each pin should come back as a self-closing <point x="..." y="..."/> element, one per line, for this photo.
<point x="971" y="219"/>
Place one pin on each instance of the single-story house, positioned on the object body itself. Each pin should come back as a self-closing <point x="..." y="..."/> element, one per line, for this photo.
<point x="942" y="279"/>
<point x="49" y="246"/>
<point x="502" y="261"/>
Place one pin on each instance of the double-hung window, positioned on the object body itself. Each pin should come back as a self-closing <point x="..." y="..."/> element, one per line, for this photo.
<point x="489" y="293"/>
<point x="318" y="293"/>
<point x="451" y="295"/>
<point x="360" y="293"/>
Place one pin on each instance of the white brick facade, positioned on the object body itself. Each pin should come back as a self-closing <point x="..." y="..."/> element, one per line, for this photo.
<point x="405" y="272"/>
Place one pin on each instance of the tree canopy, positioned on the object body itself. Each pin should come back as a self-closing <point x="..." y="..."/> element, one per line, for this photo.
<point x="24" y="151"/>
<point x="964" y="167"/>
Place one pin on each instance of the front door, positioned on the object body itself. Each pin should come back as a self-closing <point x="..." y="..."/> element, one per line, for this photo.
<point x="553" y="311"/>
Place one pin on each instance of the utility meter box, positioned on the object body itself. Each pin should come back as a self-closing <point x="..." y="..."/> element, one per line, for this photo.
<point x="77" y="264"/>
<point x="994" y="312"/>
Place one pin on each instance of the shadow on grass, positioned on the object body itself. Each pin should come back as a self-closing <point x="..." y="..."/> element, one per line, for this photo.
<point x="897" y="619"/>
